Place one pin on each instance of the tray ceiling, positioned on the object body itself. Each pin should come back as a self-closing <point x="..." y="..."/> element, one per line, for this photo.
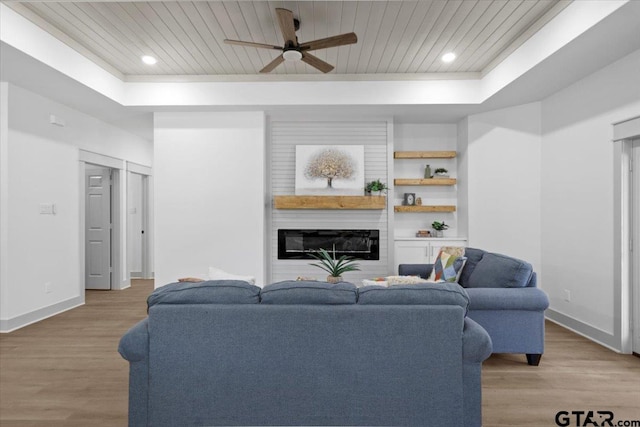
<point x="394" y="37"/>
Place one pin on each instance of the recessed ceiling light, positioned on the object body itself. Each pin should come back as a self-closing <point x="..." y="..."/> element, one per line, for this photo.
<point x="448" y="57"/>
<point x="149" y="60"/>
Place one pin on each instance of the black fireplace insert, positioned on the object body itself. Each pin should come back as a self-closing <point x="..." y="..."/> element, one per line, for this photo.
<point x="299" y="244"/>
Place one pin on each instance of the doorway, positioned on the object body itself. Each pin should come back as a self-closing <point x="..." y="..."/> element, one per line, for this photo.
<point x="98" y="227"/>
<point x="138" y="230"/>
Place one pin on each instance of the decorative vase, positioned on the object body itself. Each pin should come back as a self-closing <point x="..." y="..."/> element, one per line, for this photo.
<point x="438" y="233"/>
<point x="427" y="172"/>
<point x="334" y="279"/>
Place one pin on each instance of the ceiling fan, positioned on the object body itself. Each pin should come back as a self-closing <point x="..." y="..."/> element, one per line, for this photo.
<point x="294" y="51"/>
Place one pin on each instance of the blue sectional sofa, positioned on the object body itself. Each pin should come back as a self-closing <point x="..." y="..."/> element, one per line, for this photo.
<point x="305" y="353"/>
<point x="504" y="300"/>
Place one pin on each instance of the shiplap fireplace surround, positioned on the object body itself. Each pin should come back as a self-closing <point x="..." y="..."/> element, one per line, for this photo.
<point x="376" y="138"/>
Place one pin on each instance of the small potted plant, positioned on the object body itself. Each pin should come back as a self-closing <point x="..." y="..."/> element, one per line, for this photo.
<point x="335" y="267"/>
<point x="441" y="173"/>
<point x="375" y="187"/>
<point x="439" y="228"/>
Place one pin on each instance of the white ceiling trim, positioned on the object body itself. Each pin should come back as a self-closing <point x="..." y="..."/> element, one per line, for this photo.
<point x="305" y="93"/>
<point x="570" y="23"/>
<point x="17" y="31"/>
<point x="27" y="37"/>
<point x="27" y="13"/>
<point x="302" y="77"/>
<point x="533" y="29"/>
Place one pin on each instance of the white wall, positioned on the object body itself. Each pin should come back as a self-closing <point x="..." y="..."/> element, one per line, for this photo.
<point x="503" y="182"/>
<point x="4" y="197"/>
<point x="463" y="177"/>
<point x="42" y="166"/>
<point x="209" y="172"/>
<point x="425" y="137"/>
<point x="578" y="168"/>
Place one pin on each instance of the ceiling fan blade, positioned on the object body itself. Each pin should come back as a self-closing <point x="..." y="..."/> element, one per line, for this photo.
<point x="252" y="44"/>
<point x="287" y="26"/>
<point x="340" y="40"/>
<point x="316" y="62"/>
<point x="273" y="64"/>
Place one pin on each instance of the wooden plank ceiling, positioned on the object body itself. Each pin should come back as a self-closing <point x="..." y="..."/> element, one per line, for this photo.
<point x="394" y="37"/>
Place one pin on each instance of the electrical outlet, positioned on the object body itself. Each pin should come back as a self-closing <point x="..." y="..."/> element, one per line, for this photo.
<point x="567" y="295"/>
<point x="47" y="209"/>
<point x="47" y="288"/>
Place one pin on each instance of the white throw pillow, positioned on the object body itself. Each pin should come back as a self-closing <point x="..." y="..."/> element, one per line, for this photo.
<point x="405" y="280"/>
<point x="217" y="274"/>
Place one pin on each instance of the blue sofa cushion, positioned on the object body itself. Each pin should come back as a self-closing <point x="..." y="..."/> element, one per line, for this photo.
<point x="419" y="294"/>
<point x="529" y="299"/>
<point x="500" y="271"/>
<point x="473" y="258"/>
<point x="208" y="292"/>
<point x="309" y="292"/>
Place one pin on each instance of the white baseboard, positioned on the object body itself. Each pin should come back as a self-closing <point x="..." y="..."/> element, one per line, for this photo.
<point x="10" y="325"/>
<point x="596" y="335"/>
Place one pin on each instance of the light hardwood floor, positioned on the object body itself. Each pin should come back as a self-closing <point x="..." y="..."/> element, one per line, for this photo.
<point x="66" y="371"/>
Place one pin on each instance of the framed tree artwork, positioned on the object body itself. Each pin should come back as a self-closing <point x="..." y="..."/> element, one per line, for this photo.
<point x="329" y="170"/>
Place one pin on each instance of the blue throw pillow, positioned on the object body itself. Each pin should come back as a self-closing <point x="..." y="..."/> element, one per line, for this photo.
<point x="500" y="271"/>
<point x="309" y="292"/>
<point x="208" y="292"/>
<point x="474" y="256"/>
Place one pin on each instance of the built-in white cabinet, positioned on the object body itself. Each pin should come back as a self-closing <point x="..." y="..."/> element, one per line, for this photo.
<point x="422" y="250"/>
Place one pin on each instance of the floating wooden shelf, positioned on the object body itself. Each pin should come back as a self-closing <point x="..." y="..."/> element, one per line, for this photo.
<point x="329" y="202"/>
<point x="425" y="208"/>
<point x="429" y="181"/>
<point x="424" y="154"/>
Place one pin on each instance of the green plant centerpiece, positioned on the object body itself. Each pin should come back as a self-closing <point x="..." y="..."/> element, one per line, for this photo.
<point x="439" y="227"/>
<point x="441" y="172"/>
<point x="335" y="267"/>
<point x="375" y="186"/>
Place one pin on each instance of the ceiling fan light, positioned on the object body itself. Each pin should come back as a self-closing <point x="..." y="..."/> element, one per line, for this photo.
<point x="292" y="55"/>
<point x="448" y="57"/>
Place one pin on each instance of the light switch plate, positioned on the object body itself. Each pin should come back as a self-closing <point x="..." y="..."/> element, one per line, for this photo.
<point x="47" y="209"/>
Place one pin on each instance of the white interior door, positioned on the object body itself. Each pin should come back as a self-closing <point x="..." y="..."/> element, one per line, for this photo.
<point x="98" y="228"/>
<point x="635" y="254"/>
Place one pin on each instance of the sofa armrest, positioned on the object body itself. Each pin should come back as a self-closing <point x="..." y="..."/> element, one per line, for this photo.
<point x="476" y="342"/>
<point x="422" y="270"/>
<point x="521" y="299"/>
<point x="134" y="345"/>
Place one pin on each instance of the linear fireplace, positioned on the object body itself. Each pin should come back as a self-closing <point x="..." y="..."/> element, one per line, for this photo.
<point x="299" y="244"/>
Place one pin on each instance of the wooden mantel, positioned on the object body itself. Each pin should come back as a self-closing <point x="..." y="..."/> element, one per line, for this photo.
<point x="329" y="202"/>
